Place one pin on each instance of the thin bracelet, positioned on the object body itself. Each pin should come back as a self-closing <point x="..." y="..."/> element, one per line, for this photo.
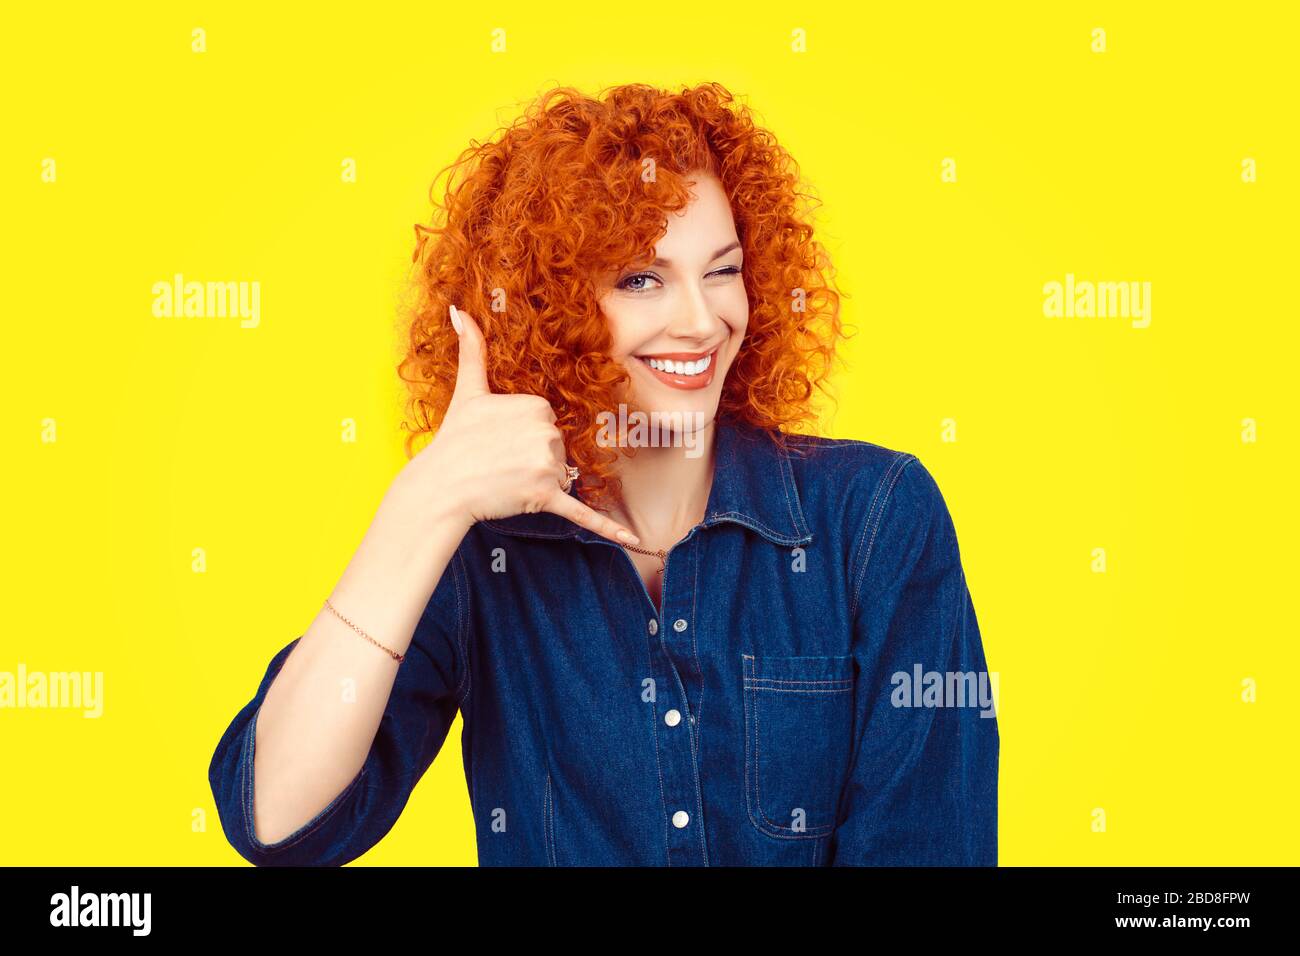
<point x="395" y="656"/>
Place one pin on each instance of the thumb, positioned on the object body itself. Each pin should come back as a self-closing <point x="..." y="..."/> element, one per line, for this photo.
<point x="471" y="369"/>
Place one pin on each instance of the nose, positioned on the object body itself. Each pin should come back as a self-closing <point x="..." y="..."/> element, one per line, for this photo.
<point x="695" y="318"/>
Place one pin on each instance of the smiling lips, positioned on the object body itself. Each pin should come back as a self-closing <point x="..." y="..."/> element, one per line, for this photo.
<point x="684" y="370"/>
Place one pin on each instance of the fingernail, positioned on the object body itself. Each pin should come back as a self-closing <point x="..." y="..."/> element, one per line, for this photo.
<point x="628" y="538"/>
<point x="455" y="319"/>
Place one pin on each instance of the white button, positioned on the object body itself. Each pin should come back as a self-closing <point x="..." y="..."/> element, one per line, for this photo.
<point x="654" y="626"/>
<point x="679" y="625"/>
<point x="672" y="718"/>
<point x="681" y="818"/>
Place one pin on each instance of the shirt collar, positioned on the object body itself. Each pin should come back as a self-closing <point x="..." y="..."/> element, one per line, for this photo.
<point x="753" y="486"/>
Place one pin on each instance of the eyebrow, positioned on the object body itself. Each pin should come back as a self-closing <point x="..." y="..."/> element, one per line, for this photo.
<point x="717" y="255"/>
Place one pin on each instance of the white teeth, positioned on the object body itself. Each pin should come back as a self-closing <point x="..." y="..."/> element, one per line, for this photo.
<point x="681" y="368"/>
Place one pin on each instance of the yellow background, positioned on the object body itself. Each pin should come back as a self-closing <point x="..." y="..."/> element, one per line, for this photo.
<point x="1119" y="690"/>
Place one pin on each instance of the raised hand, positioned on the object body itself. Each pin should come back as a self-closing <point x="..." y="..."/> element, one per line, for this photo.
<point x="501" y="455"/>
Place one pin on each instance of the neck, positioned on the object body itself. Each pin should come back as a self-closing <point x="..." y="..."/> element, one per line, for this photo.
<point x="664" y="492"/>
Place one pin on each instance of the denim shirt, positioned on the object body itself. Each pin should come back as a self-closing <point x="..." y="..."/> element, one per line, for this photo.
<point x="813" y="691"/>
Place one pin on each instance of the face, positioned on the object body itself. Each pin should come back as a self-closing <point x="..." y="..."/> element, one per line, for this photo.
<point x="677" y="324"/>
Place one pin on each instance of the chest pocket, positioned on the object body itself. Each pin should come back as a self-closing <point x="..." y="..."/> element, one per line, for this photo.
<point x="798" y="741"/>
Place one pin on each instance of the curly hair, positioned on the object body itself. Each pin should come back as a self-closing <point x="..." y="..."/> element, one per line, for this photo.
<point x="579" y="187"/>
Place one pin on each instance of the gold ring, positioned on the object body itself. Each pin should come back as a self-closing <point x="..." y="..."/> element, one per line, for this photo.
<point x="570" y="476"/>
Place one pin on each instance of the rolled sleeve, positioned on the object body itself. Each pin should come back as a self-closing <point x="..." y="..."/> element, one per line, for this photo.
<point x="922" y="789"/>
<point x="431" y="685"/>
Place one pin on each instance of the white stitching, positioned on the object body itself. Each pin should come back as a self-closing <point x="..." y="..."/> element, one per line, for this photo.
<point x="462" y="627"/>
<point x="875" y="528"/>
<point x="751" y="684"/>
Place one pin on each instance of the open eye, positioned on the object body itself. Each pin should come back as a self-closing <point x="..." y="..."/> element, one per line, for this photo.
<point x="623" y="284"/>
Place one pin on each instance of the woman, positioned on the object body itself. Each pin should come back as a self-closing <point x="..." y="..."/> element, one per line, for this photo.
<point x="679" y="633"/>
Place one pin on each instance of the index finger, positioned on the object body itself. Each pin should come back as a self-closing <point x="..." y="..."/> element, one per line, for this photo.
<point x="569" y="507"/>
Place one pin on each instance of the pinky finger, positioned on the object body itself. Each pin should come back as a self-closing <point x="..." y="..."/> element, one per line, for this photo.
<point x="569" y="507"/>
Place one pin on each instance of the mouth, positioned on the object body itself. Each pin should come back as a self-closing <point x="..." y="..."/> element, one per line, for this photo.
<point x="684" y="370"/>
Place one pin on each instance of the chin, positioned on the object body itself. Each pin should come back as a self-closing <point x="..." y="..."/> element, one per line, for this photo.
<point x="651" y="418"/>
<point x="668" y="402"/>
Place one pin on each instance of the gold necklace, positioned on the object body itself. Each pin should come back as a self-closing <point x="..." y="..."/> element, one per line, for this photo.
<point x="661" y="554"/>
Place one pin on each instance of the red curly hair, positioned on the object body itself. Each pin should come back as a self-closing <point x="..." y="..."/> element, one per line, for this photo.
<point x="531" y="219"/>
